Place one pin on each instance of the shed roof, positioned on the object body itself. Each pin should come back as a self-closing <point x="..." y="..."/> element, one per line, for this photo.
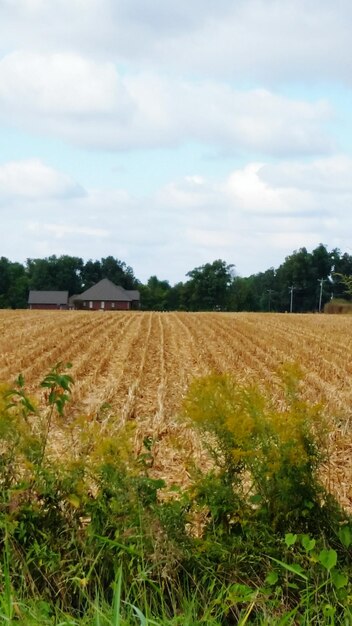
<point x="107" y="290"/>
<point x="48" y="297"/>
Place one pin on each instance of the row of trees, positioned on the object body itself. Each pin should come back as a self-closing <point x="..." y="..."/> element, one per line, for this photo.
<point x="64" y="273"/>
<point x="305" y="281"/>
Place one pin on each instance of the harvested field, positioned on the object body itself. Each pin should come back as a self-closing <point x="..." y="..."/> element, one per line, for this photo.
<point x="142" y="363"/>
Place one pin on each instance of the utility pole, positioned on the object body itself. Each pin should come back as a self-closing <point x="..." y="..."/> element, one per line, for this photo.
<point x="291" y="300"/>
<point x="321" y="281"/>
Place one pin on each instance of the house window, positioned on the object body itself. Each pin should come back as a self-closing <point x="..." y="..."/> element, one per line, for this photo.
<point x="90" y="304"/>
<point x="102" y="304"/>
<point x="84" y="304"/>
<point x="113" y="305"/>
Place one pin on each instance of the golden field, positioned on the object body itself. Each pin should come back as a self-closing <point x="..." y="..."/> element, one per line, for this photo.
<point x="142" y="363"/>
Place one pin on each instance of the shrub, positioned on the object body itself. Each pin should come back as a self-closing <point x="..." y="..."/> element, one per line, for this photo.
<point x="338" y="305"/>
<point x="87" y="526"/>
<point x="270" y="452"/>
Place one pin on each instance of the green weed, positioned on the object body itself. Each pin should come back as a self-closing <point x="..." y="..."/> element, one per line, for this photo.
<point x="86" y="539"/>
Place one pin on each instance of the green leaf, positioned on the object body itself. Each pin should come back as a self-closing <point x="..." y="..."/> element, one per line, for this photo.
<point x="116" y="621"/>
<point x="339" y="580"/>
<point x="345" y="536"/>
<point x="20" y="381"/>
<point x="290" y="539"/>
<point x="272" y="578"/>
<point x="139" y="614"/>
<point x="308" y="504"/>
<point x="240" y="593"/>
<point x="329" y="611"/>
<point x="294" y="567"/>
<point x="256" y="499"/>
<point x="74" y="500"/>
<point x="308" y="543"/>
<point x="328" y="559"/>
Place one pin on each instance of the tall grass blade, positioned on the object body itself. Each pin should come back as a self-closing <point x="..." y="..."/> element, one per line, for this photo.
<point x="294" y="569"/>
<point x="116" y="617"/>
<point x="7" y="599"/>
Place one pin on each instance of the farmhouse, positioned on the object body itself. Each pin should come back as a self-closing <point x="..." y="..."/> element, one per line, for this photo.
<point x="105" y="295"/>
<point x="48" y="299"/>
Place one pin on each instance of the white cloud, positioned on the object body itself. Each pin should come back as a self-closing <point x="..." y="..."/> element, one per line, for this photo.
<point x="89" y="104"/>
<point x="329" y="175"/>
<point x="57" y="84"/>
<point x="252" y="194"/>
<point x="261" y="40"/>
<point x="244" y="219"/>
<point x="214" y="77"/>
<point x="33" y="180"/>
<point x="59" y="231"/>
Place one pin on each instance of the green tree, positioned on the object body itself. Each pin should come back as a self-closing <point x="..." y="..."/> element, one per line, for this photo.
<point x="342" y="268"/>
<point x="13" y="285"/>
<point x="242" y="294"/>
<point x="303" y="271"/>
<point x="155" y="294"/>
<point x="209" y="286"/>
<point x="56" y="273"/>
<point x="177" y="298"/>
<point x="91" y="274"/>
<point x="18" y="290"/>
<point x="118" y="272"/>
<point x="257" y="292"/>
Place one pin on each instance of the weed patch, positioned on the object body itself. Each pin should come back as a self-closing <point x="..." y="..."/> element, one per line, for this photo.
<point x="87" y="539"/>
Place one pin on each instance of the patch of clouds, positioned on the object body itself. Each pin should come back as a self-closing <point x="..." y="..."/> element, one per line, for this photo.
<point x="90" y="104"/>
<point x="63" y="230"/>
<point x="271" y="42"/>
<point x="64" y="84"/>
<point x="325" y="176"/>
<point x="261" y="40"/>
<point x="187" y="222"/>
<point x="251" y="192"/>
<point x="32" y="180"/>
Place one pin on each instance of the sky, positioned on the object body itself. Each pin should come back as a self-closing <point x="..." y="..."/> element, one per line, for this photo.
<point x="170" y="134"/>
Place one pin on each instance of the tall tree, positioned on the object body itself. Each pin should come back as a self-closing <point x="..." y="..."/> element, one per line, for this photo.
<point x="56" y="273"/>
<point x="342" y="268"/>
<point x="209" y="286"/>
<point x="91" y="274"/>
<point x="118" y="272"/>
<point x="242" y="294"/>
<point x="303" y="271"/>
<point x="13" y="285"/>
<point x="155" y="294"/>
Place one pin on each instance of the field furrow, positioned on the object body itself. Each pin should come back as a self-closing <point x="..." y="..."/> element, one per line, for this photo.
<point x="141" y="364"/>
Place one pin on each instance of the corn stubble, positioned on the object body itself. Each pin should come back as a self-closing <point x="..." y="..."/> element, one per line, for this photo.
<point x="137" y="367"/>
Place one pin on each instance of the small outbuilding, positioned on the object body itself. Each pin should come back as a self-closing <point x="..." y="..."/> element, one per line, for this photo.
<point x="51" y="300"/>
<point x="106" y="296"/>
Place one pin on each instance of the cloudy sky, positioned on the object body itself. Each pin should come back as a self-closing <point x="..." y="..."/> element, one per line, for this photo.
<point x="169" y="134"/>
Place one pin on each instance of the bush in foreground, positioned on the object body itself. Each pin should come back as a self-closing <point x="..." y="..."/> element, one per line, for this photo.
<point x="85" y="531"/>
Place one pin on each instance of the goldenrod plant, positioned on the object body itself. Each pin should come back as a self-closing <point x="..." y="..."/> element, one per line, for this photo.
<point x="88" y="535"/>
<point x="271" y="450"/>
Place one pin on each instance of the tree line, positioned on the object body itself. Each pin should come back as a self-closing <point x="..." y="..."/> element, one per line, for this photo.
<point x="304" y="282"/>
<point x="64" y="273"/>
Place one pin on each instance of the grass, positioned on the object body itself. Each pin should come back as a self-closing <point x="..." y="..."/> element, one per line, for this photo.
<point x="96" y="540"/>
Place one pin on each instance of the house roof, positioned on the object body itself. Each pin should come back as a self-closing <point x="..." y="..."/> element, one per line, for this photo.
<point x="106" y="290"/>
<point x="133" y="293"/>
<point x="48" y="297"/>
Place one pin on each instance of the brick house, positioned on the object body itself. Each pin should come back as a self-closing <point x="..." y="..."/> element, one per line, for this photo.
<point x="106" y="296"/>
<point x="50" y="300"/>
